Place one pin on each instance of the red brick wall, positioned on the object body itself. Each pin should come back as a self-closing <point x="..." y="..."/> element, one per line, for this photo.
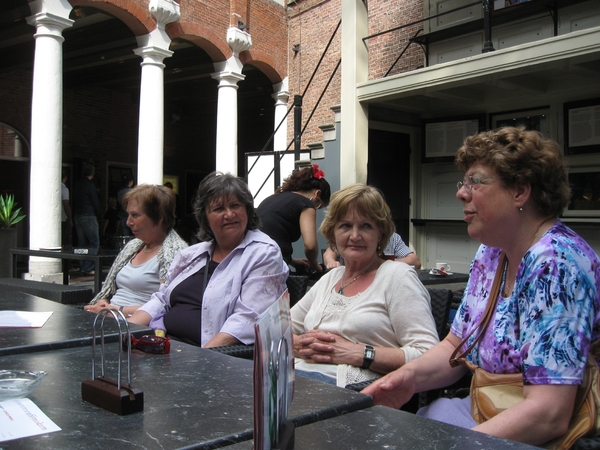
<point x="268" y="29"/>
<point x="311" y="23"/>
<point x="385" y="49"/>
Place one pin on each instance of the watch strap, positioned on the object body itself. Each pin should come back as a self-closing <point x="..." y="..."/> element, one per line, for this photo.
<point x="368" y="357"/>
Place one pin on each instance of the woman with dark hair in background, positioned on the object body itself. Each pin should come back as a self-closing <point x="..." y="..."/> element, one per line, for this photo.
<point x="216" y="289"/>
<point x="291" y="213"/>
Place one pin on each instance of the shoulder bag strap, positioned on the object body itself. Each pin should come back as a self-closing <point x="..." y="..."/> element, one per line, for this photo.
<point x="487" y="315"/>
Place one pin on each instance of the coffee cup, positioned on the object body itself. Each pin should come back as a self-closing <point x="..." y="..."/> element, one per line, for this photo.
<point x="442" y="267"/>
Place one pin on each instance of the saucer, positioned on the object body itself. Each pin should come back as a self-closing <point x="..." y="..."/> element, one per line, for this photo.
<point x="438" y="274"/>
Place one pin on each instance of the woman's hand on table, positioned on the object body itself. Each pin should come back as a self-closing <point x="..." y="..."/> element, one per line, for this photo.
<point x="393" y="390"/>
<point x="324" y="347"/>
<point x="99" y="305"/>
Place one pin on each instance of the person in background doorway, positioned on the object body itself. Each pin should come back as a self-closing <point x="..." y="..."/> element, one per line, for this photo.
<point x="396" y="247"/>
<point x="66" y="214"/>
<point x="291" y="213"/>
<point x="86" y="210"/>
<point x="111" y="225"/>
<point x="126" y="185"/>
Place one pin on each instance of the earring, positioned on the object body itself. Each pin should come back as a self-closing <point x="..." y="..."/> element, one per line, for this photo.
<point x="521" y="208"/>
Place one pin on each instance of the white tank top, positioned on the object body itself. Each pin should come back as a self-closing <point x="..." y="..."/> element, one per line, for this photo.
<point x="135" y="284"/>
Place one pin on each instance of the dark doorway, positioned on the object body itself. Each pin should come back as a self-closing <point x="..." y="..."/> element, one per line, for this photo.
<point x="389" y="170"/>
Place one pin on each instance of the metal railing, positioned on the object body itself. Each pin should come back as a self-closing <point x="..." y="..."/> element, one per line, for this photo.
<point x="297" y="107"/>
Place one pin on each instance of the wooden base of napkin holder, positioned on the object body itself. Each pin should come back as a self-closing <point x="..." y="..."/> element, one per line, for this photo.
<point x="104" y="392"/>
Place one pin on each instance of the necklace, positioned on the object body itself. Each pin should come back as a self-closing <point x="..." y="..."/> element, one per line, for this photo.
<point x="150" y="250"/>
<point x="342" y="286"/>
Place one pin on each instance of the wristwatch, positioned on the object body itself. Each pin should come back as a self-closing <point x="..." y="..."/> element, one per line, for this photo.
<point x="368" y="357"/>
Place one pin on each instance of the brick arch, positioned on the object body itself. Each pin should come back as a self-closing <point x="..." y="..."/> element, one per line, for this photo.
<point x="134" y="14"/>
<point x="265" y="63"/>
<point x="202" y="36"/>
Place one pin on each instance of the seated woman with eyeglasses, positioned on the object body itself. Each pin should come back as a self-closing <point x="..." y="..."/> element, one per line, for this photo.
<point x="216" y="289"/>
<point x="291" y="213"/>
<point x="546" y="313"/>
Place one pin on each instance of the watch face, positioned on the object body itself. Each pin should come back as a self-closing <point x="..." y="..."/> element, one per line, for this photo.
<point x="370" y="353"/>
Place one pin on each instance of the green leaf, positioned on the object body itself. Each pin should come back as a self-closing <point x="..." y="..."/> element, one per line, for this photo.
<point x="9" y="215"/>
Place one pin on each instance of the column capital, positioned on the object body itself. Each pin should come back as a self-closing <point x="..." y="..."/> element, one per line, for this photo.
<point x="227" y="78"/>
<point x="48" y="24"/>
<point x="164" y="11"/>
<point x="238" y="40"/>
<point x="152" y="55"/>
<point x="281" y="97"/>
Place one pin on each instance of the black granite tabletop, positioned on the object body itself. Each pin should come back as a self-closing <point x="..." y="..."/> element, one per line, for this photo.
<point x="68" y="326"/>
<point x="97" y="256"/>
<point x="193" y="398"/>
<point x="381" y="427"/>
<point x="428" y="279"/>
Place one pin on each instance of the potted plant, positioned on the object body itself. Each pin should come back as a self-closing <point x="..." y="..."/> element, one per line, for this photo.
<point x="9" y="216"/>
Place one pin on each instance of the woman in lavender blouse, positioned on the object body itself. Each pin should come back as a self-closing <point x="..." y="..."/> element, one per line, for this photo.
<point x="547" y="311"/>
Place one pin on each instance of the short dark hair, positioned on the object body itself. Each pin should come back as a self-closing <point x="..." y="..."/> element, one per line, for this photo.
<point x="520" y="157"/>
<point x="126" y="178"/>
<point x="218" y="185"/>
<point x="88" y="170"/>
<point x="158" y="202"/>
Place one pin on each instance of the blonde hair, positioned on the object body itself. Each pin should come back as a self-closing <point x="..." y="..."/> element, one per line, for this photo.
<point x="367" y="201"/>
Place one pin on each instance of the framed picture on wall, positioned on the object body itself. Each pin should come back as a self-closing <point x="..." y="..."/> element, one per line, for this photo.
<point x="582" y="126"/>
<point x="443" y="137"/>
<point x="532" y="119"/>
<point x="585" y="192"/>
<point x="173" y="181"/>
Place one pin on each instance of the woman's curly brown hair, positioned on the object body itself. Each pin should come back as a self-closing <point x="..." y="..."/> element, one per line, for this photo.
<point x="521" y="157"/>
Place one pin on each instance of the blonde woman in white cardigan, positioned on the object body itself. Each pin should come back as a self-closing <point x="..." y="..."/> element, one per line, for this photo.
<point x="142" y="265"/>
<point x="366" y="318"/>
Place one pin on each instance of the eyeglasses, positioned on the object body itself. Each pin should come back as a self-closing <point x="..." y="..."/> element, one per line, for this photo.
<point x="151" y="344"/>
<point x="470" y="182"/>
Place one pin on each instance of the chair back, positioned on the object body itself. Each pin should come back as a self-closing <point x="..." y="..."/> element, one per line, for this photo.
<point x="441" y="300"/>
<point x="297" y="285"/>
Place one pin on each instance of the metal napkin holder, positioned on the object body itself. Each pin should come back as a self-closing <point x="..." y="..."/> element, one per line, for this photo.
<point x="112" y="395"/>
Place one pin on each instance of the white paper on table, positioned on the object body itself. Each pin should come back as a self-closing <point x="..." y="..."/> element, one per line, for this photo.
<point x="22" y="418"/>
<point x="23" y="319"/>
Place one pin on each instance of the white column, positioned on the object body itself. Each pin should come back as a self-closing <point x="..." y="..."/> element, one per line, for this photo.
<point x="354" y="132"/>
<point x="227" y="121"/>
<point x="152" y="104"/>
<point x="154" y="48"/>
<point x="50" y="18"/>
<point x="281" y="96"/>
<point x="229" y="73"/>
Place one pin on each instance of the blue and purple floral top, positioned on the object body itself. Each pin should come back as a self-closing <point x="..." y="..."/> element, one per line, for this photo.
<point x="544" y="329"/>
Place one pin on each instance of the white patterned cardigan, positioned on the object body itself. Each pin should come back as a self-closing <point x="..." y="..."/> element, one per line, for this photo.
<point x="170" y="247"/>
